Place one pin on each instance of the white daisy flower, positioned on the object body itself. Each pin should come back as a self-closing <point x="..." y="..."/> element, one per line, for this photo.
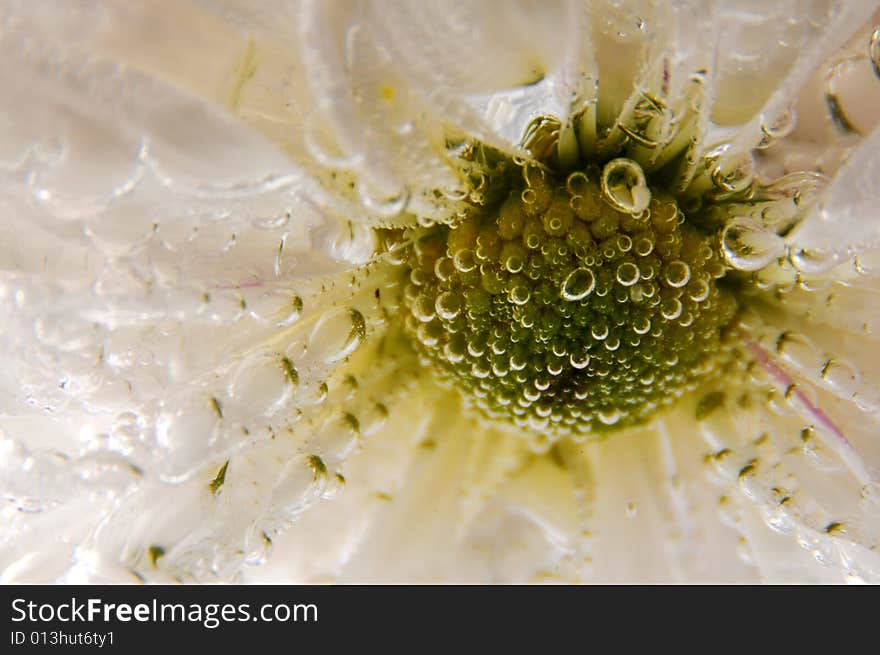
<point x="306" y="291"/>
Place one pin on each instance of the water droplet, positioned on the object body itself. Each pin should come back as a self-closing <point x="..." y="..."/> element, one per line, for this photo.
<point x="578" y="284"/>
<point x="519" y="295"/>
<point x="748" y="246"/>
<point x="465" y="260"/>
<point x="599" y="331"/>
<point x="337" y="334"/>
<point x="338" y="436"/>
<point x="259" y="385"/>
<point x="842" y="376"/>
<point x="812" y="261"/>
<point x="624" y="185"/>
<point x="335" y="486"/>
<point x="671" y="309"/>
<point x="386" y="207"/>
<point x="778" y="128"/>
<point x="277" y="307"/>
<point x="448" y="305"/>
<point x="734" y="176"/>
<point x="609" y="416"/>
<point x="301" y="480"/>
<point x="641" y="325"/>
<point x="577" y="184"/>
<point x="798" y="350"/>
<point x="644" y="247"/>
<point x="677" y="274"/>
<point x="627" y="274"/>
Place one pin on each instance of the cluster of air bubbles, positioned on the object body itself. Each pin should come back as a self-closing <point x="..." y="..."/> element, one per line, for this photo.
<point x="575" y="304"/>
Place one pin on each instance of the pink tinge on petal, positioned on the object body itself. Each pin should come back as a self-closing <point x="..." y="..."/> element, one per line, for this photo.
<point x="780" y="375"/>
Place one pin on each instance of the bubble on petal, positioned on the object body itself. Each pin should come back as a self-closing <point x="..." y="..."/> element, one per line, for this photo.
<point x="260" y="384"/>
<point x="277" y="307"/>
<point x="384" y="206"/>
<point x="812" y="261"/>
<point x="797" y="349"/>
<point x="842" y="376"/>
<point x="748" y="246"/>
<point x="778" y="127"/>
<point x="301" y="480"/>
<point x="733" y="175"/>
<point x="184" y="433"/>
<point x="337" y="334"/>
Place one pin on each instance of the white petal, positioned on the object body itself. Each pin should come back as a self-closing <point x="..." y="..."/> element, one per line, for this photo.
<point x="845" y="221"/>
<point x="459" y="502"/>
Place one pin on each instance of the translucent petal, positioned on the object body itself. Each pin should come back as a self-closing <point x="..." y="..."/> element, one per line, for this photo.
<point x="199" y="347"/>
<point x="845" y="221"/>
<point x="462" y="502"/>
<point x="799" y="445"/>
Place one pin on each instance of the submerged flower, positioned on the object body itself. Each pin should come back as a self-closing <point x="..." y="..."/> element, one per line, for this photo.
<point x="457" y="292"/>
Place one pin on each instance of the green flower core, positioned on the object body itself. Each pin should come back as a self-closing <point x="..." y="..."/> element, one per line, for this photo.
<point x="573" y="303"/>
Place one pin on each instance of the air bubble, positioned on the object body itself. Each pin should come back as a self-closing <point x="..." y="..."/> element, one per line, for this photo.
<point x="386" y="207"/>
<point x="337" y="334"/>
<point x="513" y="257"/>
<point x="642" y="325"/>
<point x="624" y="185"/>
<point x="699" y="290"/>
<point x="736" y="176"/>
<point x="644" y="247"/>
<point x="448" y="305"/>
<point x="677" y="274"/>
<point x="301" y="480"/>
<point x="465" y="260"/>
<point x="278" y="307"/>
<point x="778" y="128"/>
<point x="260" y="385"/>
<point x="609" y="416"/>
<point x="519" y="295"/>
<point x="748" y="246"/>
<point x="599" y="331"/>
<point x="843" y="377"/>
<point x="578" y="284"/>
<point x="627" y="274"/>
<point x="798" y="350"/>
<point x="424" y="307"/>
<point x="671" y="309"/>
<point x="444" y="268"/>
<point x="812" y="261"/>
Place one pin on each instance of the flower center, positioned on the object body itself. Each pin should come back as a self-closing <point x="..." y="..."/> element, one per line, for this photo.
<point x="574" y="304"/>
